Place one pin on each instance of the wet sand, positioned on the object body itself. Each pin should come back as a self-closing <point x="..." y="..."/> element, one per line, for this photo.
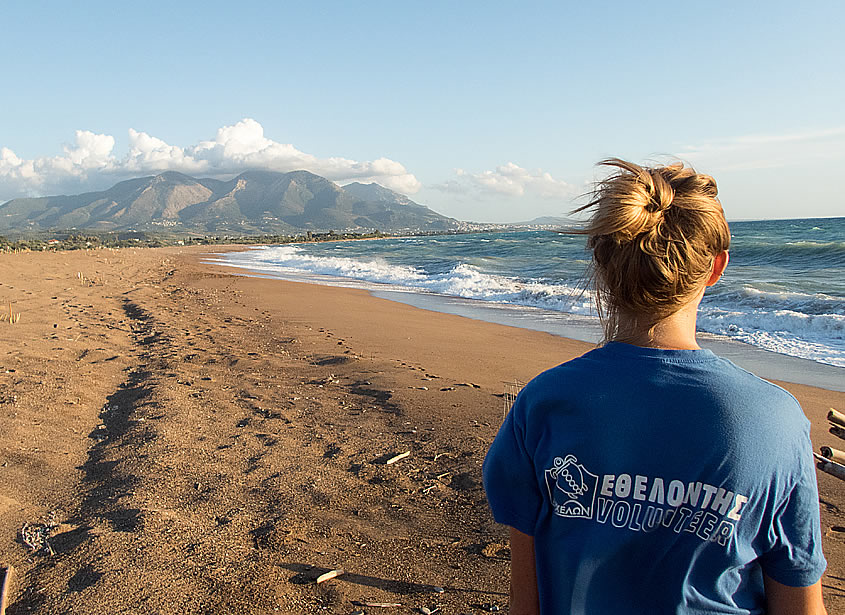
<point x="210" y="443"/>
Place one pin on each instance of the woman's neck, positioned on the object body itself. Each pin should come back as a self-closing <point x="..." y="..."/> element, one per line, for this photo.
<point x="676" y="331"/>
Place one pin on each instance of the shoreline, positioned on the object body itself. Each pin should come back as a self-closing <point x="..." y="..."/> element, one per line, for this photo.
<point x="765" y="363"/>
<point x="214" y="442"/>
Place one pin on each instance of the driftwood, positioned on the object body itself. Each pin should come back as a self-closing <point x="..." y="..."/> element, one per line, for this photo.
<point x="5" y="586"/>
<point x="836" y="418"/>
<point x="396" y="458"/>
<point x="330" y="575"/>
<point x="832" y="460"/>
<point x="833" y="454"/>
<point x="830" y="467"/>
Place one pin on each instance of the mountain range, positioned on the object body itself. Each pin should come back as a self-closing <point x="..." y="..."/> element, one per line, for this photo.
<point x="252" y="202"/>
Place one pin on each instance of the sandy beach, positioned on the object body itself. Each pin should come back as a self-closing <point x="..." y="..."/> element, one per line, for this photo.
<point x="202" y="442"/>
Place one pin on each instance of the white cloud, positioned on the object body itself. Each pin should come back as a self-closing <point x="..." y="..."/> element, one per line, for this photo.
<point x="90" y="162"/>
<point x="765" y="151"/>
<point x="508" y="179"/>
<point x="148" y="154"/>
<point x="742" y="141"/>
<point x="92" y="152"/>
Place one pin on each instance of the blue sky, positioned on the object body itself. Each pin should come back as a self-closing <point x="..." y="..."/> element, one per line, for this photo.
<point x="487" y="111"/>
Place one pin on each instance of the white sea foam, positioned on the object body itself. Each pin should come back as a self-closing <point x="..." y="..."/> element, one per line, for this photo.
<point x="292" y="259"/>
<point x="750" y="297"/>
<point x="818" y="337"/>
<point x="463" y="280"/>
<point x="806" y="325"/>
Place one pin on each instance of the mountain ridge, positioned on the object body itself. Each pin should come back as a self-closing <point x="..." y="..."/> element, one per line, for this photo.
<point x="255" y="201"/>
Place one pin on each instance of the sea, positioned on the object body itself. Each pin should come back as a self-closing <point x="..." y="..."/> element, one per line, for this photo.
<point x="779" y="309"/>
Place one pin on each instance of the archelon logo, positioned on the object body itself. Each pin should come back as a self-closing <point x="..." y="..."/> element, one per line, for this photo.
<point x="572" y="488"/>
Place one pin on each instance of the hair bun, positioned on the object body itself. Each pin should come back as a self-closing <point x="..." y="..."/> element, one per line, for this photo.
<point x="648" y="259"/>
<point x="660" y="191"/>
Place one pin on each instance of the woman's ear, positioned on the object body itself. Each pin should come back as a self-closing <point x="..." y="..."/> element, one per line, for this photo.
<point x="719" y="263"/>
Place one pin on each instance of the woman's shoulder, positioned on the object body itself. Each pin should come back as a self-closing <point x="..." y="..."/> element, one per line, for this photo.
<point x="737" y="382"/>
<point x="572" y="380"/>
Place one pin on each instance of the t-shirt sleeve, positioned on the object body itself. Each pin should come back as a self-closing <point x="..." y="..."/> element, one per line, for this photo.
<point x="510" y="479"/>
<point x="796" y="558"/>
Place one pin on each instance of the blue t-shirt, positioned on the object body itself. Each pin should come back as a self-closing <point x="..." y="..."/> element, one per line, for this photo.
<point x="657" y="481"/>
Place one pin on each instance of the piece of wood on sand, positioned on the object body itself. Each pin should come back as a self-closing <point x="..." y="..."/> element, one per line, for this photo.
<point x="396" y="458"/>
<point x="837" y="431"/>
<point x="833" y="454"/>
<point x="837" y="418"/>
<point x="830" y="467"/>
<point x="6" y="572"/>
<point x="331" y="574"/>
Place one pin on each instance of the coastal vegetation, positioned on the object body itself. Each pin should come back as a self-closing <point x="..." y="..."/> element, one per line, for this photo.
<point x="91" y="241"/>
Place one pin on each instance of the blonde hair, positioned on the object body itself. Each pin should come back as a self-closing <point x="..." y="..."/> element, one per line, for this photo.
<point x="654" y="233"/>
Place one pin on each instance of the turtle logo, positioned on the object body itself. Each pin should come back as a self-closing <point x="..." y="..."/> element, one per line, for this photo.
<point x="572" y="488"/>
